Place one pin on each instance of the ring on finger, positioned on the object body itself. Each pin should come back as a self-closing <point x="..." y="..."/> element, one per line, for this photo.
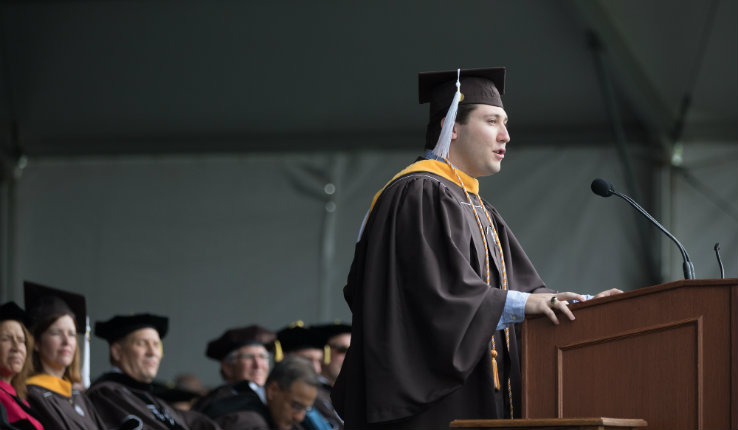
<point x="553" y="300"/>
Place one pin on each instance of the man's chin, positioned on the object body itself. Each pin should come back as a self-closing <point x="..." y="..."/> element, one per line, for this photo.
<point x="145" y="379"/>
<point x="149" y="376"/>
<point x="493" y="169"/>
<point x="256" y="379"/>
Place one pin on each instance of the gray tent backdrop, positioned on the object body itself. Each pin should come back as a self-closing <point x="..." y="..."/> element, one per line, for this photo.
<point x="224" y="184"/>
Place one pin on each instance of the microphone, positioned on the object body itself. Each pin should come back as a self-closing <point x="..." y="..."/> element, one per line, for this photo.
<point x="605" y="189"/>
<point x="720" y="262"/>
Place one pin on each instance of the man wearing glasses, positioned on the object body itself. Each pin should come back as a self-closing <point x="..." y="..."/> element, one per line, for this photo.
<point x="244" y="356"/>
<point x="291" y="390"/>
<point x="337" y="340"/>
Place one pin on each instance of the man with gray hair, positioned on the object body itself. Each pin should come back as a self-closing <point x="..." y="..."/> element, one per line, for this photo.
<point x="291" y="390"/>
<point x="129" y="389"/>
<point x="244" y="356"/>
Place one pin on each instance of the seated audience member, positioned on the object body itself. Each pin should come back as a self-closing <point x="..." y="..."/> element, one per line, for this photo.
<point x="15" y="365"/>
<point x="190" y="382"/>
<point x="337" y="341"/>
<point x="5" y="424"/>
<point x="129" y="389"/>
<point x="58" y="316"/>
<point x="296" y="340"/>
<point x="290" y="392"/>
<point x="243" y="354"/>
<point x="186" y="389"/>
<point x="337" y="338"/>
<point x="301" y="341"/>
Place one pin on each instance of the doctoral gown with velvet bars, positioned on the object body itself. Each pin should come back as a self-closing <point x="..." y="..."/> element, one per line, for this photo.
<point x="116" y="396"/>
<point x="423" y="315"/>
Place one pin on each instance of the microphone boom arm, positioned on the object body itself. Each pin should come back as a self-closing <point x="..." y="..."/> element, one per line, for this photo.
<point x="687" y="266"/>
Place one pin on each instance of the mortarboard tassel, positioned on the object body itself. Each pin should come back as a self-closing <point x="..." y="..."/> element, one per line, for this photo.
<point x="86" y="357"/>
<point x="326" y="354"/>
<point x="494" y="370"/>
<point x="278" y="355"/>
<point x="444" y="139"/>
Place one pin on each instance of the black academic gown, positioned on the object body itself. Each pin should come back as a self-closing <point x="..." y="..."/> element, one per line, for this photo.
<point x="117" y="396"/>
<point x="423" y="315"/>
<point x="57" y="411"/>
<point x="219" y="393"/>
<point x="231" y="398"/>
<point x="244" y="411"/>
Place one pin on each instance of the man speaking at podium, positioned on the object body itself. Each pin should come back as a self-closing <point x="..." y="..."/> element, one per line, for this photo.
<point x="439" y="282"/>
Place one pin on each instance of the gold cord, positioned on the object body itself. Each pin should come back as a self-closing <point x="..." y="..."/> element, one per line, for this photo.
<point x="504" y="279"/>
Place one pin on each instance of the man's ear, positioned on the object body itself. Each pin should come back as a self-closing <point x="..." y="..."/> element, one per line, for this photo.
<point x="115" y="351"/>
<point x="271" y="389"/>
<point x="225" y="370"/>
<point x="454" y="130"/>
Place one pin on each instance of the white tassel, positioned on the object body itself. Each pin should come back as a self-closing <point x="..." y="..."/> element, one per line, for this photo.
<point x="86" y="358"/>
<point x="444" y="140"/>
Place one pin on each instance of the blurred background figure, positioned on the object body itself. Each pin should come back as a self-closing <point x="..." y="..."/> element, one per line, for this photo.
<point x="337" y="341"/>
<point x="337" y="338"/>
<point x="53" y="390"/>
<point x="297" y="340"/>
<point x="244" y="356"/>
<point x="291" y="389"/>
<point x="129" y="388"/>
<point x="184" y="391"/>
<point x="15" y="342"/>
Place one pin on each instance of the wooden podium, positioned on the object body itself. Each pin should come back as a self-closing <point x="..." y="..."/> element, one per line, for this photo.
<point x="667" y="354"/>
<point x="600" y="423"/>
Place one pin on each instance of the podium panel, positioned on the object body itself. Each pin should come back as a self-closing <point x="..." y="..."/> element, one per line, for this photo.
<point x="667" y="354"/>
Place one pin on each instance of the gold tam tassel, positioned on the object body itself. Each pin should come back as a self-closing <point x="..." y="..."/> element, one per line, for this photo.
<point x="278" y="355"/>
<point x="495" y="375"/>
<point x="326" y="354"/>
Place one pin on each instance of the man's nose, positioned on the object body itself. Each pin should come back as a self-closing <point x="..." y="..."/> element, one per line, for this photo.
<point x="503" y="135"/>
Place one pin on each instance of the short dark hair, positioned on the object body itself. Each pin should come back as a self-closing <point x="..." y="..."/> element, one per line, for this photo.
<point x="433" y="130"/>
<point x="292" y="369"/>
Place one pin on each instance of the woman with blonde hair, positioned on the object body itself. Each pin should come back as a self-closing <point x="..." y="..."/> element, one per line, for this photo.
<point x="15" y="342"/>
<point x="54" y="390"/>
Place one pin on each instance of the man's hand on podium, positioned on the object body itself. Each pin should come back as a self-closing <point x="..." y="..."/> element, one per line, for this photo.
<point x="606" y="293"/>
<point x="547" y="303"/>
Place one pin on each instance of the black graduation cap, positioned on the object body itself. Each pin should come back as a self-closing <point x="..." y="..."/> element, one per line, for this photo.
<point x="43" y="302"/>
<point x="327" y="331"/>
<point x="331" y="329"/>
<point x="296" y="336"/>
<point x="478" y="86"/>
<point x="121" y="325"/>
<point x="237" y="337"/>
<point x="10" y="311"/>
